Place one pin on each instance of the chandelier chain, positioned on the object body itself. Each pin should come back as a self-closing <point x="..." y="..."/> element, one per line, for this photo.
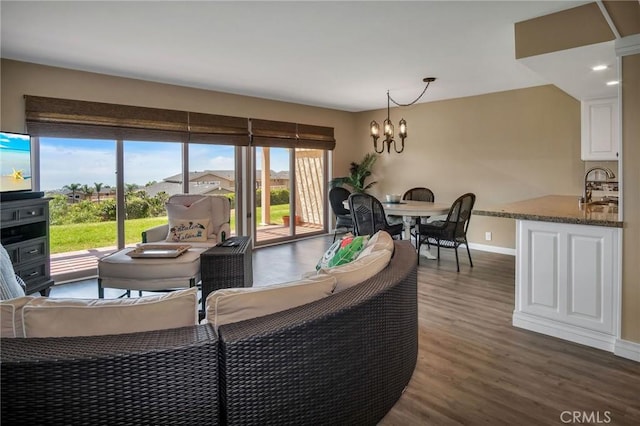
<point x="410" y="103"/>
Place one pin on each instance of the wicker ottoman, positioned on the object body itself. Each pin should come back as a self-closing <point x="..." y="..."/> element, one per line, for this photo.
<point x="118" y="270"/>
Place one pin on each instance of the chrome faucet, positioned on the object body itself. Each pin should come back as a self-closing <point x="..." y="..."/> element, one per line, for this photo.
<point x="586" y="196"/>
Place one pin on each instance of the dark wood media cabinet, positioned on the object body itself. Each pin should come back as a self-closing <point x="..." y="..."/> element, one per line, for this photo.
<point x="24" y="233"/>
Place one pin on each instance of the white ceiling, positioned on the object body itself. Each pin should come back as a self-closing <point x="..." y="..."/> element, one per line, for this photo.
<point x="342" y="55"/>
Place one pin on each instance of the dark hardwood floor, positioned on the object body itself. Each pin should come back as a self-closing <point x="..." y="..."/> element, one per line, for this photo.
<point x="473" y="366"/>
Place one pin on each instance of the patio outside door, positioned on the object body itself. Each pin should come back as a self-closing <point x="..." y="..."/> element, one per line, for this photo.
<point x="289" y="193"/>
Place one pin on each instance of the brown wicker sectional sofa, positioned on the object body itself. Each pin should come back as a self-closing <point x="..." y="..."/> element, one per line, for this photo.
<point x="344" y="359"/>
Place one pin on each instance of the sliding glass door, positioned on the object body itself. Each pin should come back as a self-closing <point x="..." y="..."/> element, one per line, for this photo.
<point x="79" y="177"/>
<point x="288" y="193"/>
<point x="212" y="171"/>
<point x="152" y="172"/>
<point x="309" y="190"/>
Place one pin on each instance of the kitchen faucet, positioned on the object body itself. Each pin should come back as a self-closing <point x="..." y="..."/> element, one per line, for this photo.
<point x="586" y="196"/>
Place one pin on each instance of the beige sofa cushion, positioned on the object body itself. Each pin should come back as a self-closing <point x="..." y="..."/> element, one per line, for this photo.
<point x="48" y="317"/>
<point x="381" y="240"/>
<point x="11" y="316"/>
<point x="359" y="270"/>
<point x="237" y="304"/>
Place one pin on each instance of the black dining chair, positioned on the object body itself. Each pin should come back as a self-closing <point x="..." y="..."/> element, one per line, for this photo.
<point x="344" y="222"/>
<point x="452" y="232"/>
<point x="369" y="217"/>
<point x="418" y="194"/>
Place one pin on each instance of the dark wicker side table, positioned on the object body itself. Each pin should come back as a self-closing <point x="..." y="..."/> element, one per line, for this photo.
<point x="225" y="267"/>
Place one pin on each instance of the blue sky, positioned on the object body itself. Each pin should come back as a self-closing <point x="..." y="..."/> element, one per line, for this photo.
<point x="66" y="161"/>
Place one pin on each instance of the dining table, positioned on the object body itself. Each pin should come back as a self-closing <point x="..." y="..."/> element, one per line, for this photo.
<point x="409" y="209"/>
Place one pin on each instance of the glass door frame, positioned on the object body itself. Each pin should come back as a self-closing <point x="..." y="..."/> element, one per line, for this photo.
<point x="250" y="191"/>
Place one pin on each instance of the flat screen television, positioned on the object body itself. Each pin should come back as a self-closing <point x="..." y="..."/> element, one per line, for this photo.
<point x="15" y="167"/>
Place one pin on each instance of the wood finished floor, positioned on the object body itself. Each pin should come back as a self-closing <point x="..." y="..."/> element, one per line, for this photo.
<point x="473" y="366"/>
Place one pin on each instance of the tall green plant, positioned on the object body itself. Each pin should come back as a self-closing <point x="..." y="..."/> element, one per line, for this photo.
<point x="358" y="174"/>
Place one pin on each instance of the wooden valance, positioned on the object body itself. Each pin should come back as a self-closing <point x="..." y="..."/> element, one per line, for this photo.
<point x="291" y="135"/>
<point x="279" y="134"/>
<point x="315" y="137"/>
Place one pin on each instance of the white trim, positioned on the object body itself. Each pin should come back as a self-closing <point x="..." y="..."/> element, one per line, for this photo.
<point x="627" y="349"/>
<point x="493" y="249"/>
<point x="607" y="18"/>
<point x="563" y="331"/>
<point x="629" y="45"/>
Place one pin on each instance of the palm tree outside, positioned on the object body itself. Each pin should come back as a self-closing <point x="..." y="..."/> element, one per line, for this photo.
<point x="88" y="191"/>
<point x="98" y="187"/>
<point x="73" y="187"/>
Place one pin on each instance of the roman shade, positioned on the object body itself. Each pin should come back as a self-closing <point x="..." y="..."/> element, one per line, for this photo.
<point x="69" y="118"/>
<point x="97" y="120"/>
<point x="315" y="137"/>
<point x="218" y="129"/>
<point x="291" y="135"/>
<point x="273" y="133"/>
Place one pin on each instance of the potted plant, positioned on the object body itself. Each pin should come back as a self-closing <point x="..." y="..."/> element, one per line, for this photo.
<point x="358" y="174"/>
<point x="286" y="220"/>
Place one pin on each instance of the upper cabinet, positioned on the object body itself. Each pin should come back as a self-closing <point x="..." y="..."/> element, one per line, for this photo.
<point x="600" y="139"/>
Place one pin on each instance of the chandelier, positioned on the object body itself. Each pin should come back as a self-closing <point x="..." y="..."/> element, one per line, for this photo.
<point x="388" y="126"/>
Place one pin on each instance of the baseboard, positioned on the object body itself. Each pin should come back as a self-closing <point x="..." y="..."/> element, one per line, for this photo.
<point x="594" y="339"/>
<point x="493" y="249"/>
<point x="627" y="349"/>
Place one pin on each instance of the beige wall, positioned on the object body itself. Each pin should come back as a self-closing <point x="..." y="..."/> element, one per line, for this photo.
<point x="561" y="30"/>
<point x="631" y="197"/>
<point x="503" y="147"/>
<point x="20" y="78"/>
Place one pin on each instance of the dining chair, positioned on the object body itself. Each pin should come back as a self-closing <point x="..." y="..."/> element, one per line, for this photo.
<point x="418" y="194"/>
<point x="369" y="216"/>
<point x="452" y="232"/>
<point x="344" y="222"/>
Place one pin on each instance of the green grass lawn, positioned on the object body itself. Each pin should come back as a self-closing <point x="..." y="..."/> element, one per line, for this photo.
<point x="84" y="236"/>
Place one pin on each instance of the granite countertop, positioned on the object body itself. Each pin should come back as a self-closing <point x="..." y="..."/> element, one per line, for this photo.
<point x="556" y="208"/>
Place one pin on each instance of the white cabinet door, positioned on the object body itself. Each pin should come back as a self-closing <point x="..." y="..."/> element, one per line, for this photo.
<point x="568" y="274"/>
<point x="600" y="129"/>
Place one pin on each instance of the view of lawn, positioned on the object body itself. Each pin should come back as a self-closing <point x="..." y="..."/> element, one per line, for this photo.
<point x="84" y="236"/>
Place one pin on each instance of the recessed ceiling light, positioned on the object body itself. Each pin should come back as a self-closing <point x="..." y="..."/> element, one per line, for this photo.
<point x="612" y="83"/>
<point x="600" y="67"/>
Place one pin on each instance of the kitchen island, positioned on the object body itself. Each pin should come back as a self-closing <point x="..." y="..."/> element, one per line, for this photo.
<point x="558" y="209"/>
<point x="567" y="268"/>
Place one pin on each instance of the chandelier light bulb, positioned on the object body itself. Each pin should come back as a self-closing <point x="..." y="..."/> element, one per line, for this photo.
<point x="375" y="129"/>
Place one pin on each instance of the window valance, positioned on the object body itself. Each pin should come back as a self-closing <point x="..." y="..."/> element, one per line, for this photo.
<point x="273" y="133"/>
<point x="315" y="137"/>
<point x="218" y="129"/>
<point x="291" y="135"/>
